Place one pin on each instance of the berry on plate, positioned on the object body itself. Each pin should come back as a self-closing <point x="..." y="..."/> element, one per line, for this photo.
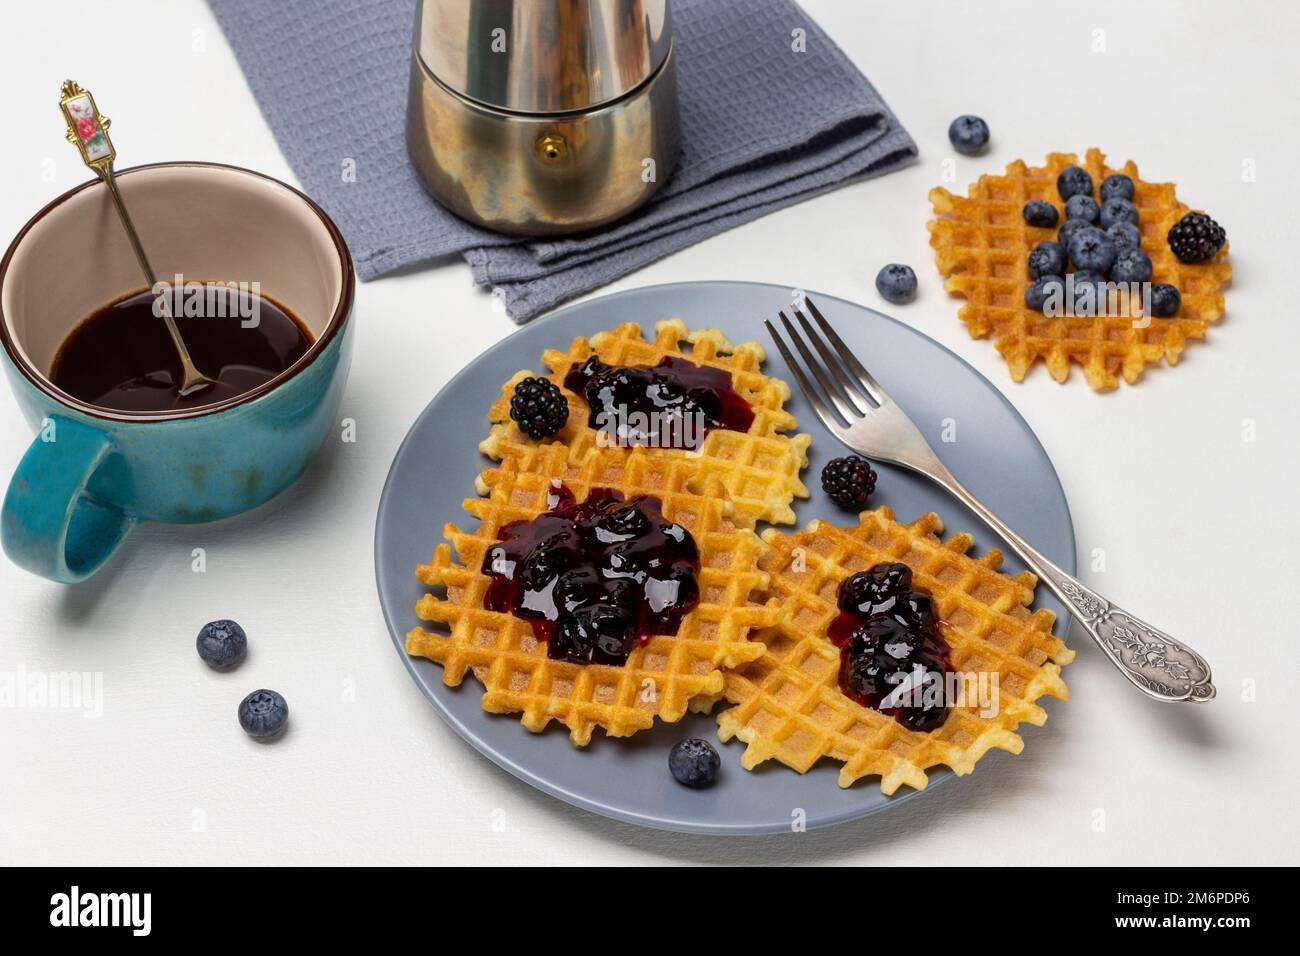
<point x="849" y="482"/>
<point x="693" y="762"/>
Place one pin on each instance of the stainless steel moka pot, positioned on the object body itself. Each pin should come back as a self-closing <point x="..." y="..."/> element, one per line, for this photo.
<point x="538" y="117"/>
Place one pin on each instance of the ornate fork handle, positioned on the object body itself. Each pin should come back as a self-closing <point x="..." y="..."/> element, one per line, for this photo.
<point x="1156" y="663"/>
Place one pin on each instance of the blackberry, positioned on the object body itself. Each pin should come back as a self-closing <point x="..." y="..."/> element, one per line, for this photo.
<point x="538" y="407"/>
<point x="1196" y="237"/>
<point x="849" y="481"/>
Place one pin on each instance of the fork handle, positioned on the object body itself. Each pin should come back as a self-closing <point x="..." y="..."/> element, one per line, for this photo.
<point x="1160" y="666"/>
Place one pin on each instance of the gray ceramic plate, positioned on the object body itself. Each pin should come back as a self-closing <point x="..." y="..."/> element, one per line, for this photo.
<point x="995" y="455"/>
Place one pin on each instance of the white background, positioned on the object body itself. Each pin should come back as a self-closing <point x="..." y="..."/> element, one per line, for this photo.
<point x="1198" y="526"/>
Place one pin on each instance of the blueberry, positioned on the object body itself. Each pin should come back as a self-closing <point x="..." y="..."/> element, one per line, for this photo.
<point x="1165" y="300"/>
<point x="896" y="283"/>
<point x="1125" y="235"/>
<point x="222" y="645"/>
<point x="1041" y="213"/>
<point x="876" y="589"/>
<point x="968" y="135"/>
<point x="1116" y="186"/>
<point x="1087" y="277"/>
<point x="1131" y="265"/>
<point x="1067" y="231"/>
<point x="1040" y="289"/>
<point x="1118" y="210"/>
<point x="1092" y="249"/>
<point x="1082" y="207"/>
<point x="887" y="638"/>
<point x="263" y="714"/>
<point x="915" y="612"/>
<point x="930" y="713"/>
<point x="694" y="762"/>
<point x="1047" y="259"/>
<point x="1074" y="181"/>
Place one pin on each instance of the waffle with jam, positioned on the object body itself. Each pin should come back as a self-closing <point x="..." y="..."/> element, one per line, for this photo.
<point x="937" y="610"/>
<point x="744" y="449"/>
<point x="601" y="593"/>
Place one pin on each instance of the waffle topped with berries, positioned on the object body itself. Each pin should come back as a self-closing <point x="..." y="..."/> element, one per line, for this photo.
<point x="746" y="452"/>
<point x="576" y="661"/>
<point x="791" y="705"/>
<point x="982" y="242"/>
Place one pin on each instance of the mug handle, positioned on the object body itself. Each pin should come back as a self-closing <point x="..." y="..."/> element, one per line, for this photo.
<point x="49" y="524"/>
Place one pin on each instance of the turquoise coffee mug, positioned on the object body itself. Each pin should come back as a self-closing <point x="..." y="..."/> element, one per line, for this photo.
<point x="91" y="474"/>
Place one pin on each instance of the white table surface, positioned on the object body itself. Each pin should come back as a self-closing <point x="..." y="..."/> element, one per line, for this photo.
<point x="1198" y="526"/>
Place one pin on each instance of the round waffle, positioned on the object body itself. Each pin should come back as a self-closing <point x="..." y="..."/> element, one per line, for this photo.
<point x="660" y="676"/>
<point x="982" y="243"/>
<point x="758" y="469"/>
<point x="788" y="703"/>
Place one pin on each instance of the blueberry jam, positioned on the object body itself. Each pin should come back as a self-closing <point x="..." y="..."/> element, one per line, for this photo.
<point x="884" y="630"/>
<point x="671" y="405"/>
<point x="594" y="578"/>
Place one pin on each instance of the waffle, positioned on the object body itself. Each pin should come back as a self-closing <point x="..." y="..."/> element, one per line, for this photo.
<point x="758" y="469"/>
<point x="788" y="704"/>
<point x="981" y="245"/>
<point x="661" y="676"/>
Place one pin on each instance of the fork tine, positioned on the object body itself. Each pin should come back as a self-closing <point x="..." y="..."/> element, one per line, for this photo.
<point x="856" y="390"/>
<point x="823" y="412"/>
<point x="842" y="401"/>
<point x="873" y="388"/>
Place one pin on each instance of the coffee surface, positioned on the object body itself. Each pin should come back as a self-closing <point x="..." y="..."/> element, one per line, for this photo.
<point x="121" y="356"/>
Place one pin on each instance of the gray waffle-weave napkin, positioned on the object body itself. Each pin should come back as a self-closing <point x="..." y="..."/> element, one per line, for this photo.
<point x="763" y="126"/>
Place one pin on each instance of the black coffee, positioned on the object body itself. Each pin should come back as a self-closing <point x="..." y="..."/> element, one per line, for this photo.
<point x="121" y="357"/>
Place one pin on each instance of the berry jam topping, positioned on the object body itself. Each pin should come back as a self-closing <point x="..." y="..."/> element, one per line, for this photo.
<point x="890" y="647"/>
<point x="594" y="578"/>
<point x="671" y="405"/>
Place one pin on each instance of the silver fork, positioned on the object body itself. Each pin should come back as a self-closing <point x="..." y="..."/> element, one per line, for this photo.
<point x="857" y="411"/>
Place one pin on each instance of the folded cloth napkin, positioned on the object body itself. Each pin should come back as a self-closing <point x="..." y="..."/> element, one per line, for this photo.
<point x="772" y="112"/>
